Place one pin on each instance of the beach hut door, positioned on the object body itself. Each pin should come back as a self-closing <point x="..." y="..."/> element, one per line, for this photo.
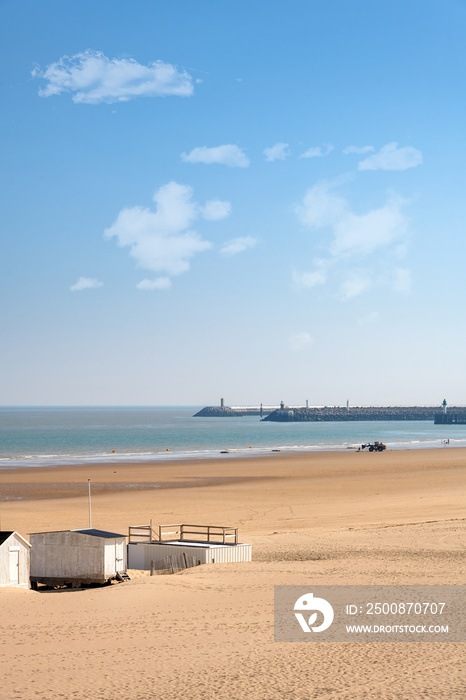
<point x="14" y="565"/>
<point x="119" y="559"/>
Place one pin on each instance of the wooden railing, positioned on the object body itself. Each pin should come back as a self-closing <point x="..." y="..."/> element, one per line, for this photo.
<point x="141" y="533"/>
<point x="216" y="534"/>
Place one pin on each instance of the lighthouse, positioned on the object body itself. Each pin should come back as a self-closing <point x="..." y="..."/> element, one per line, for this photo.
<point x="444" y="404"/>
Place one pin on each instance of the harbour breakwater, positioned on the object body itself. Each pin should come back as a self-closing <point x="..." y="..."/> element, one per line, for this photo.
<point x="455" y="415"/>
<point x="354" y="413"/>
<point x="234" y="411"/>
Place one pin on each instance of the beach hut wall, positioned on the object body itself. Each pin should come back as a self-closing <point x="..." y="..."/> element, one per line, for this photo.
<point x="77" y="556"/>
<point x="14" y="559"/>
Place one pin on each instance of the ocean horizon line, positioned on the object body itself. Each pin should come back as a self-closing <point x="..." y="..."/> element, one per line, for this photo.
<point x="13" y="407"/>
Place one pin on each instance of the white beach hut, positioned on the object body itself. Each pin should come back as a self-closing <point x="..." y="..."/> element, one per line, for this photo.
<point x="74" y="557"/>
<point x="14" y="559"/>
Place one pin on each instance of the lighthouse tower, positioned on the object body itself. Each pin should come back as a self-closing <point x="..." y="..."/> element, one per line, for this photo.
<point x="444" y="404"/>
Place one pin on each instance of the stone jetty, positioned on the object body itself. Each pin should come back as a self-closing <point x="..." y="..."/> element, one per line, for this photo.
<point x="353" y="413"/>
<point x="282" y="413"/>
<point x="233" y="411"/>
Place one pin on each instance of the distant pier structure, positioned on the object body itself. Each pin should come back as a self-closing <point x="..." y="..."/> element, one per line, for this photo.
<point x="367" y="413"/>
<point x="455" y="416"/>
<point x="282" y="413"/>
<point x="224" y="411"/>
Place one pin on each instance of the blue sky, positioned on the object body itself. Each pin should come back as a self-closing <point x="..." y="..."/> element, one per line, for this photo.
<point x="259" y="201"/>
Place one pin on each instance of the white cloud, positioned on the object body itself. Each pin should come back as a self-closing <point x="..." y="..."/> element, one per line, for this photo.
<point x="300" y="341"/>
<point x="159" y="283"/>
<point x="364" y="233"/>
<point x="352" y="233"/>
<point x="86" y="283"/>
<point x="215" y="210"/>
<point x="228" y="154"/>
<point x="317" y="151"/>
<point x="355" y="284"/>
<point x="162" y="240"/>
<point x="278" y="152"/>
<point x="321" y="207"/>
<point x="390" y="157"/>
<point x="94" y="78"/>
<point x="359" y="150"/>
<point x="238" y="245"/>
<point x="350" y="237"/>
<point x="403" y="281"/>
<point x="305" y="280"/>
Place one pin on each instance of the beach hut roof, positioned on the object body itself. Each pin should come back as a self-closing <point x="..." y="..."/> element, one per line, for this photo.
<point x="85" y="531"/>
<point x="5" y="534"/>
<point x="98" y="533"/>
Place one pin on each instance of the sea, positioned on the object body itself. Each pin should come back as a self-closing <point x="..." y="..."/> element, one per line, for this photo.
<point x="49" y="436"/>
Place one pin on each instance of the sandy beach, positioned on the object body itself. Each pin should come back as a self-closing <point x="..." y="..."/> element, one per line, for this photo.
<point x="313" y="518"/>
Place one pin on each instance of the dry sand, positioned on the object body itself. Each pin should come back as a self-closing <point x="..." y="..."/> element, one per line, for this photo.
<point x="347" y="518"/>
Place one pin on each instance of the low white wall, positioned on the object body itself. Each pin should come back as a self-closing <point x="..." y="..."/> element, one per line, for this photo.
<point x="140" y="554"/>
<point x="233" y="553"/>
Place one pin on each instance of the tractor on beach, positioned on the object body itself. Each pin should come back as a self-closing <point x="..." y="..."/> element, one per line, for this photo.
<point x="374" y="446"/>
